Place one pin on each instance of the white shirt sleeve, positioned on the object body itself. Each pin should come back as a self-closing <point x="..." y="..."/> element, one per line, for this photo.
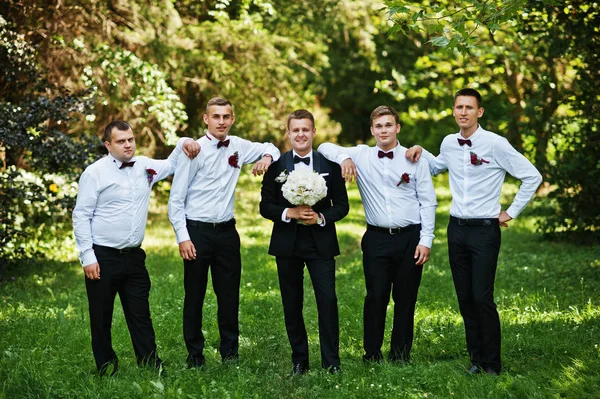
<point x="427" y="202"/>
<point x="436" y="164"/>
<point x="186" y="170"/>
<point x="338" y="154"/>
<point x="518" y="166"/>
<point x="252" y="152"/>
<point x="82" y="218"/>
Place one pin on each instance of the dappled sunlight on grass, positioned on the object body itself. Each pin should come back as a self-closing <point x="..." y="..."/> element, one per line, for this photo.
<point x="547" y="295"/>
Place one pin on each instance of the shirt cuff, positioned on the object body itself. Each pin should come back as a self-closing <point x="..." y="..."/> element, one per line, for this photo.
<point x="322" y="218"/>
<point x="341" y="158"/>
<point x="426" y="242"/>
<point x="284" y="216"/>
<point x="182" y="235"/>
<point x="88" y="258"/>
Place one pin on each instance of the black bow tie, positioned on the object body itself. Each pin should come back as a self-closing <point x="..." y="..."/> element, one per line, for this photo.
<point x="223" y="143"/>
<point x="382" y="154"/>
<point x="463" y="142"/>
<point x="126" y="164"/>
<point x="306" y="160"/>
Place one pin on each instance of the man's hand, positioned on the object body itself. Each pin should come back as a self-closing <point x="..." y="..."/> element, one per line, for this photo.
<point x="349" y="172"/>
<point x="310" y="218"/>
<point x="187" y="250"/>
<point x="414" y="153"/>
<point x="261" y="166"/>
<point x="422" y="254"/>
<point x="191" y="148"/>
<point x="92" y="271"/>
<point x="300" y="212"/>
<point x="503" y="218"/>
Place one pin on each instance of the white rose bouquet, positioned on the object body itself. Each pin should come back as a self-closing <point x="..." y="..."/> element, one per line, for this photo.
<point x="304" y="187"/>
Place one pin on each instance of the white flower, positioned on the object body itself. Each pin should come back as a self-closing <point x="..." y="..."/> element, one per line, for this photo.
<point x="282" y="177"/>
<point x="304" y="187"/>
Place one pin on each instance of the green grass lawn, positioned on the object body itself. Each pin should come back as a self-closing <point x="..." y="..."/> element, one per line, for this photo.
<point x="547" y="295"/>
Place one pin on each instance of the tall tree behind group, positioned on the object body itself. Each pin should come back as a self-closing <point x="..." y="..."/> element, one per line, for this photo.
<point x="535" y="63"/>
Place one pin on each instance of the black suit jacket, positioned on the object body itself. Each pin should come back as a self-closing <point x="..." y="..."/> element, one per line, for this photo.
<point x="333" y="207"/>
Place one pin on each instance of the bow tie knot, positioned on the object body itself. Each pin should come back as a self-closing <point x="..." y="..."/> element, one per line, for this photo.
<point x="126" y="164"/>
<point x="382" y="154"/>
<point x="463" y="142"/>
<point x="306" y="160"/>
<point x="224" y="143"/>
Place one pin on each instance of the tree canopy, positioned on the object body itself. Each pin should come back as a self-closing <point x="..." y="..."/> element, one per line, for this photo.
<point x="68" y="68"/>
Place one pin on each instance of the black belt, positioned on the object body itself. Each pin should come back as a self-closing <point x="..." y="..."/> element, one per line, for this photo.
<point x="474" y="222"/>
<point x="223" y="225"/>
<point x="396" y="230"/>
<point x="121" y="250"/>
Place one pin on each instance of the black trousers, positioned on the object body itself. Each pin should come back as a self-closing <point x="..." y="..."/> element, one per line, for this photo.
<point x="123" y="272"/>
<point x="217" y="248"/>
<point x="473" y="253"/>
<point x="389" y="266"/>
<point x="291" y="284"/>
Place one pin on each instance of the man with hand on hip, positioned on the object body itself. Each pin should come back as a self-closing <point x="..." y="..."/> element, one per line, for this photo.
<point x="201" y="212"/>
<point x="478" y="161"/>
<point x="400" y="204"/>
<point x="109" y="222"/>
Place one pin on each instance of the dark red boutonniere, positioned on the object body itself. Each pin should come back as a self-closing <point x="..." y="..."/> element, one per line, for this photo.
<point x="475" y="160"/>
<point x="234" y="159"/>
<point x="404" y="179"/>
<point x="150" y="173"/>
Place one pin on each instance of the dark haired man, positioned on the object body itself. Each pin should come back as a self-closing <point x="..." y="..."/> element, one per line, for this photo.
<point x="201" y="212"/>
<point x="304" y="235"/>
<point x="478" y="161"/>
<point x="109" y="222"/>
<point x="400" y="204"/>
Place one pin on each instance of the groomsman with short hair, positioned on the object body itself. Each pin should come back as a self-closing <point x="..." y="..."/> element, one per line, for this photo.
<point x="201" y="211"/>
<point x="400" y="204"/>
<point x="109" y="222"/>
<point x="478" y="161"/>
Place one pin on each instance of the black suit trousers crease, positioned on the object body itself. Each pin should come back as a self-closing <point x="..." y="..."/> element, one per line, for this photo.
<point x="217" y="249"/>
<point x="473" y="254"/>
<point x="389" y="267"/>
<point x="125" y="274"/>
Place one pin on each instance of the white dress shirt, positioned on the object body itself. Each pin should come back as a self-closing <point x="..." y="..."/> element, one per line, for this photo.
<point x="476" y="188"/>
<point x="203" y="188"/>
<point x="387" y="203"/>
<point x="112" y="203"/>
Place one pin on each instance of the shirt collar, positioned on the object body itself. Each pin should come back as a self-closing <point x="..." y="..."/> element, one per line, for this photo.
<point x="473" y="136"/>
<point x="392" y="150"/>
<point x="116" y="161"/>
<point x="213" y="140"/>
<point x="309" y="155"/>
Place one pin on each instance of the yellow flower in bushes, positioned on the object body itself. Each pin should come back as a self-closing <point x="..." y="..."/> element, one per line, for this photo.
<point x="53" y="187"/>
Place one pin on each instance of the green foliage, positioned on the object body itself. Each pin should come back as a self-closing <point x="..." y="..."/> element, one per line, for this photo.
<point x="136" y="90"/>
<point x="46" y="352"/>
<point x="39" y="159"/>
<point x="534" y="62"/>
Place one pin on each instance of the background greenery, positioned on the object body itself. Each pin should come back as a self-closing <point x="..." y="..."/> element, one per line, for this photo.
<point x="69" y="67"/>
<point x="547" y="303"/>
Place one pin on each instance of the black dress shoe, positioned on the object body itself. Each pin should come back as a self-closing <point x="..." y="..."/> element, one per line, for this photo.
<point x="299" y="369"/>
<point x="195" y="362"/>
<point x="335" y="370"/>
<point x="373" y="358"/>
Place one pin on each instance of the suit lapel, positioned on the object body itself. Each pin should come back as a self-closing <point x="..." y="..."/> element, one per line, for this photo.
<point x="316" y="161"/>
<point x="289" y="162"/>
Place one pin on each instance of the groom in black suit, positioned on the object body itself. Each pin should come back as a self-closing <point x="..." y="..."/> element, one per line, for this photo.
<point x="306" y="236"/>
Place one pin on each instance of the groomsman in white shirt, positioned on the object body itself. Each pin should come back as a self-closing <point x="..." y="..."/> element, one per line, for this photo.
<point x="109" y="222"/>
<point x="201" y="212"/>
<point x="400" y="204"/>
<point x="478" y="161"/>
